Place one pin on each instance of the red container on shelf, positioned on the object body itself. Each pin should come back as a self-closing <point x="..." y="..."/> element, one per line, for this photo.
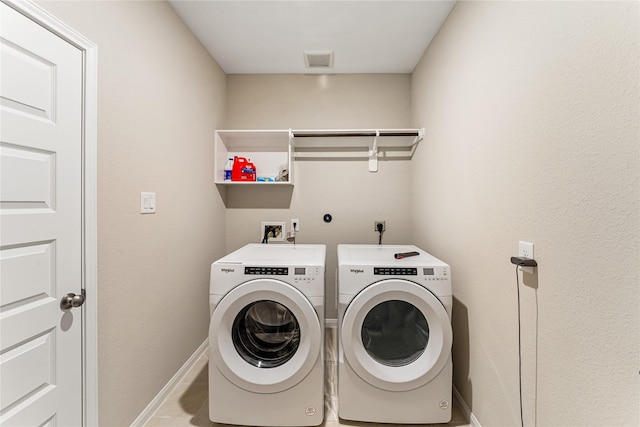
<point x="243" y="170"/>
<point x="251" y="171"/>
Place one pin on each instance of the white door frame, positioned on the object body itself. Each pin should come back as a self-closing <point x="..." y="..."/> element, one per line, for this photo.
<point x="89" y="198"/>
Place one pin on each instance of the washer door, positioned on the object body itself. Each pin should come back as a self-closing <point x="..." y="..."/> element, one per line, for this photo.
<point x="396" y="335"/>
<point x="265" y="336"/>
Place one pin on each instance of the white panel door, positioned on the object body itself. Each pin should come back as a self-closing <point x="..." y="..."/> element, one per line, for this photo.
<point x="40" y="225"/>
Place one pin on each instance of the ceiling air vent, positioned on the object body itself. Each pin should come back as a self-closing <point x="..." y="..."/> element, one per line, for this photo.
<point x="318" y="59"/>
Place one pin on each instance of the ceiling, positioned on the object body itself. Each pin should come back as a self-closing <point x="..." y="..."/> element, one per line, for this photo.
<point x="270" y="37"/>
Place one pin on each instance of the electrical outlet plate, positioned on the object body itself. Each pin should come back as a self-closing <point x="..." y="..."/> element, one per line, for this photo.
<point x="295" y="225"/>
<point x="525" y="249"/>
<point x="278" y="235"/>
<point x="375" y="225"/>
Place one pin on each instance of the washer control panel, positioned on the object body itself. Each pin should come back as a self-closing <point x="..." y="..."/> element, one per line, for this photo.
<point x="297" y="274"/>
<point x="305" y="274"/>
<point x="267" y="271"/>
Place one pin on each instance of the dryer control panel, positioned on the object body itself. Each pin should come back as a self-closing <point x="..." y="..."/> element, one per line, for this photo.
<point x="422" y="274"/>
<point x="427" y="272"/>
<point x="395" y="271"/>
<point x="439" y="274"/>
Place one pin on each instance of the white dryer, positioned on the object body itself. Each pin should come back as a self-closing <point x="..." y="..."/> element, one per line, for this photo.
<point x="395" y="336"/>
<point x="266" y="336"/>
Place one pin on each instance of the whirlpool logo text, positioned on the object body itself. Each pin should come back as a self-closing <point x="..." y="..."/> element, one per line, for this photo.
<point x="356" y="270"/>
<point x="227" y="270"/>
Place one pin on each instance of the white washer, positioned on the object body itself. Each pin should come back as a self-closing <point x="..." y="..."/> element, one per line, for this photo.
<point x="394" y="320"/>
<point x="266" y="336"/>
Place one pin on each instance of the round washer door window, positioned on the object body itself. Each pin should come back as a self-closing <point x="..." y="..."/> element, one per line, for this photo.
<point x="265" y="336"/>
<point x="396" y="335"/>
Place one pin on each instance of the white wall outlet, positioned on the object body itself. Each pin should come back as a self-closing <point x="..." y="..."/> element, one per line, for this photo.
<point x="525" y="249"/>
<point x="276" y="231"/>
<point x="295" y="224"/>
<point x="147" y="202"/>
<point x="375" y="225"/>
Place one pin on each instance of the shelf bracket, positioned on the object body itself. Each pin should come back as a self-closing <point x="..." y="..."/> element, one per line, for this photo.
<point x="373" y="154"/>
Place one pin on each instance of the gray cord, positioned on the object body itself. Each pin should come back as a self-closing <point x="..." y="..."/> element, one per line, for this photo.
<point x="519" y="347"/>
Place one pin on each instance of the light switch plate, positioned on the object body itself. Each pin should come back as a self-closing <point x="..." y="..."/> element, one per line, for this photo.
<point x="147" y="202"/>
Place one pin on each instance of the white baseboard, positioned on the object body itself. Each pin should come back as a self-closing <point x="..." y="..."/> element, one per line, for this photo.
<point x="466" y="411"/>
<point x="153" y="406"/>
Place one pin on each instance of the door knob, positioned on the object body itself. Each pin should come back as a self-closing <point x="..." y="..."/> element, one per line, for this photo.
<point x="71" y="300"/>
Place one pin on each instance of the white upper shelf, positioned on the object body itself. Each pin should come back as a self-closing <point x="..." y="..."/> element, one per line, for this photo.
<point x="255" y="140"/>
<point x="371" y="144"/>
<point x="348" y="144"/>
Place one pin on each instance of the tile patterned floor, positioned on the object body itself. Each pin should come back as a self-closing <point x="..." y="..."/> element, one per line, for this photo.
<point x="187" y="404"/>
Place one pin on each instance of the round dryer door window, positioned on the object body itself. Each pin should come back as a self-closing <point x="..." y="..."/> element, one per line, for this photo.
<point x="265" y="336"/>
<point x="396" y="335"/>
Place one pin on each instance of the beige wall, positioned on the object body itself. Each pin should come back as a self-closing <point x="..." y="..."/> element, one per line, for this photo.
<point x="531" y="111"/>
<point x="531" y="117"/>
<point x="354" y="196"/>
<point x="160" y="97"/>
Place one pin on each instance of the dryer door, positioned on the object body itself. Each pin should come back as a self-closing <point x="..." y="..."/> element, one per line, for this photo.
<point x="265" y="336"/>
<point x="396" y="335"/>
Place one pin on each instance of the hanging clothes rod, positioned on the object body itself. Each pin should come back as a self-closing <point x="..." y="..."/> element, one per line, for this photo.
<point x="371" y="144"/>
<point x="320" y="134"/>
